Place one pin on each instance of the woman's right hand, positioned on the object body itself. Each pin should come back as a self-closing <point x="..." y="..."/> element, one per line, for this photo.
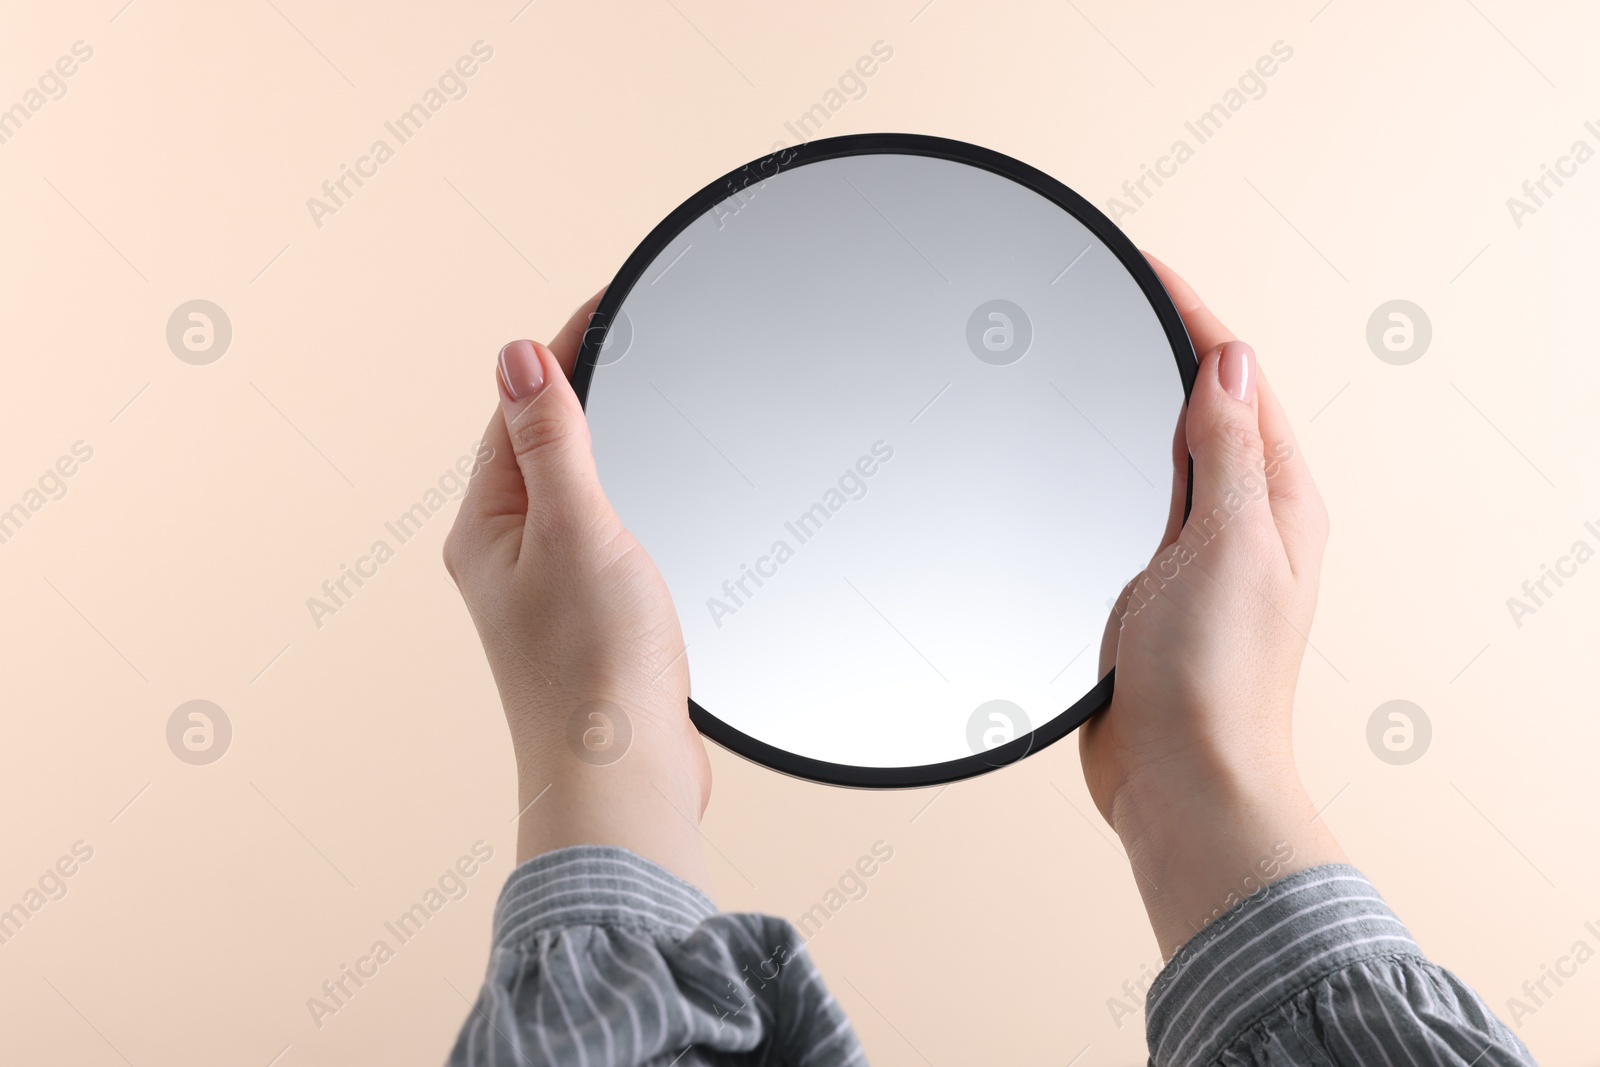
<point x="578" y="628"/>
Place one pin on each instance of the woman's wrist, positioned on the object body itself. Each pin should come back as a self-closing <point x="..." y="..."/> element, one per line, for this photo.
<point x="1205" y="835"/>
<point x="601" y="776"/>
<point x="648" y="811"/>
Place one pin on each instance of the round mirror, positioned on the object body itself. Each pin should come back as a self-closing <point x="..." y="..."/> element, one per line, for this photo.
<point x="894" y="417"/>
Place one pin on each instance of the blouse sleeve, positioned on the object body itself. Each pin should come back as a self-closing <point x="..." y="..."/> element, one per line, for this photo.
<point x="1316" y="969"/>
<point x="601" y="957"/>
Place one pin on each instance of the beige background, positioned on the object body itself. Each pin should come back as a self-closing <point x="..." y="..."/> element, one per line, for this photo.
<point x="370" y="754"/>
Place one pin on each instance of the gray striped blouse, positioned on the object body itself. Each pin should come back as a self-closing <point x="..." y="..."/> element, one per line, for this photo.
<point x="603" y="959"/>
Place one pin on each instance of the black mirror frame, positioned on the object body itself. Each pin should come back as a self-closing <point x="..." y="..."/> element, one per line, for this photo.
<point x="770" y="166"/>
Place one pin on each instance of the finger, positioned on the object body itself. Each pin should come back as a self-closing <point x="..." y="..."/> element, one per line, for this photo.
<point x="1224" y="435"/>
<point x="1206" y="331"/>
<point x="1297" y="506"/>
<point x="1111" y="634"/>
<point x="1135" y="593"/>
<point x="549" y="437"/>
<point x="570" y="339"/>
<point x="1108" y="642"/>
<point x="1130" y="597"/>
<point x="1228" y="430"/>
<point x="1180" y="481"/>
<point x="497" y="487"/>
<point x="496" y="503"/>
<point x="495" y="509"/>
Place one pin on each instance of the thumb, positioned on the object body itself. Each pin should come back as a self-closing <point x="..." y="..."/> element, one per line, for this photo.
<point x="1224" y="435"/>
<point x="549" y="435"/>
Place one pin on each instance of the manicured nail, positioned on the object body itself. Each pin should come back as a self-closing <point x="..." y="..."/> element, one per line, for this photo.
<point x="1236" y="370"/>
<point x="521" y="373"/>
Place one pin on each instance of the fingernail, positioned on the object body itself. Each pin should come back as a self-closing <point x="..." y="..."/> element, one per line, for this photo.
<point x="1236" y="370"/>
<point x="521" y="373"/>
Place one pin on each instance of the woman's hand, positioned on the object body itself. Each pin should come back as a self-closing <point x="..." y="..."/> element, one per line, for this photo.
<point x="1193" y="762"/>
<point x="579" y="630"/>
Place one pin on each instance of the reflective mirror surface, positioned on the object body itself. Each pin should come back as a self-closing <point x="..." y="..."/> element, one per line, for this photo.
<point x="894" y="417"/>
